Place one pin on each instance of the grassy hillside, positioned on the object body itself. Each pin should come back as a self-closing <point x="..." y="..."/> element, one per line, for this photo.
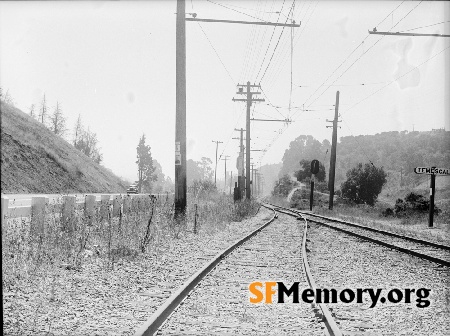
<point x="34" y="160"/>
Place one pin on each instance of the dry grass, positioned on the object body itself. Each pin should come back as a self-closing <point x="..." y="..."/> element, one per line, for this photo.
<point x="414" y="226"/>
<point x="34" y="160"/>
<point x="35" y="246"/>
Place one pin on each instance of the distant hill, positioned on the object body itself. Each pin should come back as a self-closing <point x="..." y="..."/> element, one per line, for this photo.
<point x="397" y="152"/>
<point x="34" y="160"/>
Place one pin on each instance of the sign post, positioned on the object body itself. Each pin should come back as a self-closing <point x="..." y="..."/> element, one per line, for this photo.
<point x="432" y="185"/>
<point x="433" y="171"/>
<point x="314" y="171"/>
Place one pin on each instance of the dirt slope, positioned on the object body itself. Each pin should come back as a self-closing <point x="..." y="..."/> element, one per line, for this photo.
<point x="34" y="160"/>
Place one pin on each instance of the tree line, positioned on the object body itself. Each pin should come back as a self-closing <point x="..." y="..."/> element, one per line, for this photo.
<point x="54" y="119"/>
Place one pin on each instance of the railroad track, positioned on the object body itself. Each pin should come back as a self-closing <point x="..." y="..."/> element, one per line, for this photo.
<point x="438" y="253"/>
<point x="215" y="300"/>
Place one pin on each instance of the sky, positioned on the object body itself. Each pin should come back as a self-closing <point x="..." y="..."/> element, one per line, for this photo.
<point x="113" y="63"/>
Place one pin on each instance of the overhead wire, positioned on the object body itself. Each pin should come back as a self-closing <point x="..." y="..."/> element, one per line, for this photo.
<point x="351" y="53"/>
<point x="397" y="78"/>
<point x="216" y="3"/>
<point x="217" y="54"/>
<point x="373" y="45"/>
<point x="402" y="31"/>
<point x="270" y="41"/>
<point x="276" y="46"/>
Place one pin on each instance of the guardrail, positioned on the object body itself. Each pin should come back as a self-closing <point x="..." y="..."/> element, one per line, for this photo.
<point x="69" y="204"/>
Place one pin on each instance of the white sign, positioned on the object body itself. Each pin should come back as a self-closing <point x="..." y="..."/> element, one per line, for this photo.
<point x="177" y="159"/>
<point x="177" y="147"/>
<point x="432" y="171"/>
<point x="240" y="163"/>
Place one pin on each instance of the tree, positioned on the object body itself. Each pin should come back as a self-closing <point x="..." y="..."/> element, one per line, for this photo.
<point x="205" y="168"/>
<point x="146" y="169"/>
<point x="43" y="111"/>
<point x="32" y="113"/>
<point x="58" y="121"/>
<point x="305" y="171"/>
<point x="6" y="97"/>
<point x="304" y="147"/>
<point x="78" y="131"/>
<point x="364" y="184"/>
<point x="86" y="142"/>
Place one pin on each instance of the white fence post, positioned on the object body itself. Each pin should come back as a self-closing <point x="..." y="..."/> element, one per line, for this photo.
<point x="89" y="208"/>
<point x="5" y="204"/>
<point x="68" y="212"/>
<point x="117" y="201"/>
<point x="126" y="204"/>
<point x="38" y="204"/>
<point x="105" y="206"/>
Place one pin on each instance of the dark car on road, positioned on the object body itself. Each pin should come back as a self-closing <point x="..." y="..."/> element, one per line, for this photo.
<point x="132" y="189"/>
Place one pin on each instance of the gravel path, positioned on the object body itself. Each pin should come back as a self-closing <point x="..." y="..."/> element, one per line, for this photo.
<point x="100" y="301"/>
<point x="341" y="261"/>
<point x="220" y="303"/>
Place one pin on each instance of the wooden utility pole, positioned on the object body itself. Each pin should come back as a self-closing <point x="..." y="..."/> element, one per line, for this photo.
<point x="231" y="181"/>
<point x="215" y="169"/>
<point x="333" y="152"/>
<point x="225" y="158"/>
<point x="180" y="122"/>
<point x="240" y="162"/>
<point x="249" y="101"/>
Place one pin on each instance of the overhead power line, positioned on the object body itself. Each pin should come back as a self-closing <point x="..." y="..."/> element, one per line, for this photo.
<point x="217" y="54"/>
<point x="351" y="53"/>
<point x="402" y="31"/>
<point x="397" y="78"/>
<point x="365" y="52"/>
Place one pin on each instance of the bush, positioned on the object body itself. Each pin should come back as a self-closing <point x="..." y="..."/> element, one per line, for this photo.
<point x="411" y="205"/>
<point x="364" y="184"/>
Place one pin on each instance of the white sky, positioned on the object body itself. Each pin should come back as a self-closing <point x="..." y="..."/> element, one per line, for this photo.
<point x="114" y="63"/>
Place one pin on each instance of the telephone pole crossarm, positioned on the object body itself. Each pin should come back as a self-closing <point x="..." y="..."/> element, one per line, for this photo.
<point x="405" y="34"/>
<point x="264" y="23"/>
<point x="286" y="120"/>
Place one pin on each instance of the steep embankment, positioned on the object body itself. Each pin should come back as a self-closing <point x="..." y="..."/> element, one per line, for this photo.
<point x="34" y="160"/>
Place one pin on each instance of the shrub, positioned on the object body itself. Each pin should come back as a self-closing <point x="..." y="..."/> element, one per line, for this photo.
<point x="364" y="184"/>
<point x="411" y="205"/>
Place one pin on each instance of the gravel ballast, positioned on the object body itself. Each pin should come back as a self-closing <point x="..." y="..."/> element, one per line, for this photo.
<point x="97" y="300"/>
<point x="220" y="303"/>
<point x="340" y="261"/>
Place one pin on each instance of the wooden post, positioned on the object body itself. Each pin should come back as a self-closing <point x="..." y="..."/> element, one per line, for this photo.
<point x="89" y="207"/>
<point x="104" y="210"/>
<point x="126" y="204"/>
<point x="38" y="204"/>
<point x="432" y="187"/>
<point x="68" y="211"/>
<point x="195" y="219"/>
<point x="117" y="202"/>
<point x="5" y="204"/>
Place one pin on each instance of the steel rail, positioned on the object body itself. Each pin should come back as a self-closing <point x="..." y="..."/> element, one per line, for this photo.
<point x="379" y="242"/>
<point x="395" y="247"/>
<point x="330" y="323"/>
<point x="416" y="240"/>
<point x="158" y="318"/>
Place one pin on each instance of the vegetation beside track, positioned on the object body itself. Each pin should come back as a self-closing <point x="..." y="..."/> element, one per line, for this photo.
<point x="52" y="265"/>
